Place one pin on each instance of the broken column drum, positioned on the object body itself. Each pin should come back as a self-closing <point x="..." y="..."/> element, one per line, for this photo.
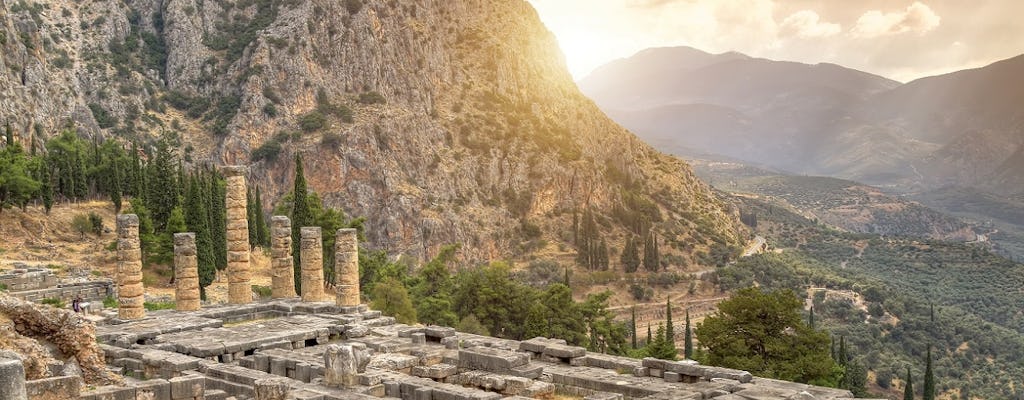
<point x="186" y="272"/>
<point x="129" y="268"/>
<point x="312" y="264"/>
<point x="282" y="264"/>
<point x="235" y="199"/>
<point x="346" y="268"/>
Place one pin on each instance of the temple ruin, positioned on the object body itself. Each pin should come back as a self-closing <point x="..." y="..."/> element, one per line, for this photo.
<point x="317" y="348"/>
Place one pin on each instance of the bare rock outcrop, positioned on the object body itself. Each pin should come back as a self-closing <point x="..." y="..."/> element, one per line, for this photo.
<point x="72" y="335"/>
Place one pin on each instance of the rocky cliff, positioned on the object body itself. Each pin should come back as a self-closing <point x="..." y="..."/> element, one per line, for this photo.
<point x="439" y="121"/>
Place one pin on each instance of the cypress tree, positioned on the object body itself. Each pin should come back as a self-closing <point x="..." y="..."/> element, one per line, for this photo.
<point x="46" y="189"/>
<point x="565" y="280"/>
<point x="9" y="133"/>
<point x="602" y="255"/>
<point x="630" y="259"/>
<point x="197" y="217"/>
<point x="262" y="230"/>
<point x="810" y="318"/>
<point x="908" y="389"/>
<point x="632" y="325"/>
<point x="929" y="377"/>
<point x="250" y="216"/>
<point x="115" y="189"/>
<point x="651" y="261"/>
<point x="842" y="351"/>
<point x="670" y="329"/>
<point x="300" y="217"/>
<point x="648" y="333"/>
<point x="688" y="339"/>
<point x="218" y="218"/>
<point x="161" y="196"/>
<point x="81" y="188"/>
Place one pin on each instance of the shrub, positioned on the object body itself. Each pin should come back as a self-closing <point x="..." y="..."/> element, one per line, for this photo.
<point x="160" y="305"/>
<point x="268" y="151"/>
<point x="81" y="224"/>
<point x="102" y="117"/>
<point x="330" y="139"/>
<point x="263" y="291"/>
<point x="312" y="121"/>
<point x="95" y="224"/>
<point x="109" y="302"/>
<point x="371" y="98"/>
<point x="270" y="110"/>
<point x="353" y="6"/>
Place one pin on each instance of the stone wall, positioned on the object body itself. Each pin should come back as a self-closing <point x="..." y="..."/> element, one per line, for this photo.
<point x="28" y="279"/>
<point x="94" y="291"/>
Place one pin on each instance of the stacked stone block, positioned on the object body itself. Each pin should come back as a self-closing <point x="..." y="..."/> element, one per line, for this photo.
<point x="129" y="268"/>
<point x="311" y="247"/>
<point x="346" y="268"/>
<point x="239" y="274"/>
<point x="282" y="265"/>
<point x="186" y="272"/>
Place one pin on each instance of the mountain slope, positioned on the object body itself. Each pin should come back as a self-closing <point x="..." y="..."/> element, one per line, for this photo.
<point x="439" y="121"/>
<point x="961" y="128"/>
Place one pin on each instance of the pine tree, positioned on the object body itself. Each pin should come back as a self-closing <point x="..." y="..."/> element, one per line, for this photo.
<point x="908" y="389"/>
<point x="632" y="325"/>
<point x="929" y="378"/>
<point x="688" y="339"/>
<point x="301" y="216"/>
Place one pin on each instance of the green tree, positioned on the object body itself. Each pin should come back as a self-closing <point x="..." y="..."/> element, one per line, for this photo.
<point x="9" y="134"/>
<point x="606" y="335"/>
<point x="908" y="389"/>
<point x="392" y="298"/>
<point x="197" y="218"/>
<point x="855" y="378"/>
<point x="80" y="223"/>
<point x="262" y="230"/>
<point x="764" y="333"/>
<point x="162" y="195"/>
<point x="688" y="338"/>
<point x="670" y="328"/>
<point x="556" y="315"/>
<point x="630" y="257"/>
<point x="632" y="326"/>
<point x="250" y="209"/>
<point x="661" y="347"/>
<point x="843" y="357"/>
<point x="471" y="324"/>
<point x="489" y="292"/>
<point x="215" y="202"/>
<point x="17" y="186"/>
<point x="95" y="224"/>
<point x="929" y="378"/>
<point x="810" y="318"/>
<point x="300" y="217"/>
<point x="433" y="289"/>
<point x="652" y="259"/>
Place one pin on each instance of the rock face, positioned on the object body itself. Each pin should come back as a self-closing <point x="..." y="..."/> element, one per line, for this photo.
<point x="282" y="267"/>
<point x="239" y="274"/>
<point x="346" y="268"/>
<point x="129" y="268"/>
<point x="69" y="332"/>
<point x="439" y="121"/>
<point x="343" y="362"/>
<point x="312" y="264"/>
<point x="186" y="272"/>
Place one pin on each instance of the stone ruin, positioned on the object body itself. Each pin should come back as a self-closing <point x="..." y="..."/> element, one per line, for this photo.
<point x="310" y="349"/>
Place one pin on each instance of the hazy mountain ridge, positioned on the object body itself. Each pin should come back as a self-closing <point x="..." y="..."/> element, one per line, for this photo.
<point x="439" y="121"/>
<point x="959" y="128"/>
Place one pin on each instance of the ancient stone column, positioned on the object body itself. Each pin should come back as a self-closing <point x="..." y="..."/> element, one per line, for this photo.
<point x="239" y="275"/>
<point x="129" y="268"/>
<point x="346" y="268"/>
<point x="281" y="265"/>
<point x="271" y="389"/>
<point x="186" y="272"/>
<point x="312" y="264"/>
<point x="342" y="363"/>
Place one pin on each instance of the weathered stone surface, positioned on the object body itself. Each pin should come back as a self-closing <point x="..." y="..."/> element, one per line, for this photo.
<point x="129" y="268"/>
<point x="343" y="362"/>
<point x="186" y="272"/>
<point x="346" y="268"/>
<point x="12" y="379"/>
<point x="271" y="389"/>
<point x="490" y="359"/>
<point x="437" y="371"/>
<point x="237" y="235"/>
<point x="281" y="268"/>
<point x="311" y="248"/>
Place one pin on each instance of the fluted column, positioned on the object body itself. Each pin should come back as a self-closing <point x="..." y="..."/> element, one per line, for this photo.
<point x="346" y="268"/>
<point x="131" y="294"/>
<point x="312" y="261"/>
<point x="186" y="272"/>
<point x="282" y="265"/>
<point x="239" y="274"/>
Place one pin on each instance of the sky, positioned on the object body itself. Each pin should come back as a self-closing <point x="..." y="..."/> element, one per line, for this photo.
<point x="897" y="39"/>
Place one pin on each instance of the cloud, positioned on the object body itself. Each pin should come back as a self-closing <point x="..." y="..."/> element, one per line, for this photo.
<point x="807" y="24"/>
<point x="918" y="18"/>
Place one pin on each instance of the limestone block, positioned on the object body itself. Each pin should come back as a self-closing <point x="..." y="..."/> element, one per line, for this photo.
<point x="12" y="379"/>
<point x="188" y="387"/>
<point x="129" y="268"/>
<point x="282" y="264"/>
<point x="340" y="366"/>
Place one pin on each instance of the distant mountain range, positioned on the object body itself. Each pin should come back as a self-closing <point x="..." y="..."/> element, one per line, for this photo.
<point x="963" y="129"/>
